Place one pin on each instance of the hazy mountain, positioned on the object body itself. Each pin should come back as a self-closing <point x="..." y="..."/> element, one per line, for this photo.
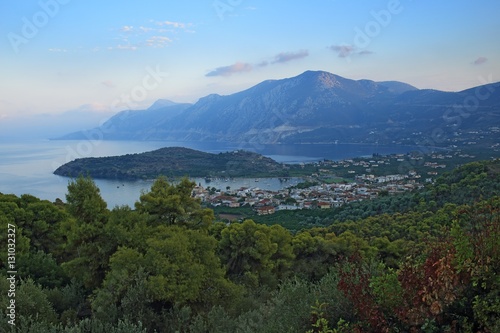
<point x="397" y="87"/>
<point x="315" y="106"/>
<point x="44" y="126"/>
<point x="137" y="124"/>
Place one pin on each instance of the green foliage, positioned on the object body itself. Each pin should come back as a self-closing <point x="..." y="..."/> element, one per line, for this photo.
<point x="42" y="268"/>
<point x="30" y="302"/>
<point x="255" y="254"/>
<point x="423" y="262"/>
<point x="173" y="205"/>
<point x="476" y="233"/>
<point x="84" y="202"/>
<point x="181" y="263"/>
<point x="387" y="290"/>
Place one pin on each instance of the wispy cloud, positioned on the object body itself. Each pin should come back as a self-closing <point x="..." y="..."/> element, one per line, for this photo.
<point x="154" y="34"/>
<point x="238" y="67"/>
<point x="364" y="52"/>
<point x="346" y="50"/>
<point x="127" y="28"/>
<point x="145" y="29"/>
<point x="241" y="67"/>
<point x="178" y="25"/>
<point x="57" y="50"/>
<point x="123" y="47"/>
<point x="108" y="83"/>
<point x="289" y="56"/>
<point x="480" y="61"/>
<point x="158" y="41"/>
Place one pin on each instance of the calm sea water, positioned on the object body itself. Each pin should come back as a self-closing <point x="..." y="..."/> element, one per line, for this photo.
<point x="27" y="166"/>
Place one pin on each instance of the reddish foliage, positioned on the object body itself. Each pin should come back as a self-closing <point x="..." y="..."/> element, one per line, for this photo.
<point x="431" y="286"/>
<point x="355" y="284"/>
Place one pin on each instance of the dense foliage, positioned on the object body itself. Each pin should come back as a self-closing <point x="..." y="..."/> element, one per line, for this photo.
<point x="176" y="162"/>
<point x="421" y="262"/>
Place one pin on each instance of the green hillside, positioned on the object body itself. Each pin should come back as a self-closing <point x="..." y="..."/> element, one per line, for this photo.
<point x="174" y="162"/>
<point x="430" y="263"/>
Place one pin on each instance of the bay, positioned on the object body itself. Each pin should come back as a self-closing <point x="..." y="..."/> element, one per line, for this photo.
<point x="26" y="167"/>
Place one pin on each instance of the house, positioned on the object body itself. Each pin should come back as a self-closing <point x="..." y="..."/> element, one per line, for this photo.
<point x="324" y="205"/>
<point x="265" y="210"/>
<point x="308" y="204"/>
<point x="288" y="207"/>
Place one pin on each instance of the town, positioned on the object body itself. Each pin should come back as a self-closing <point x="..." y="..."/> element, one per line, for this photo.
<point x="332" y="184"/>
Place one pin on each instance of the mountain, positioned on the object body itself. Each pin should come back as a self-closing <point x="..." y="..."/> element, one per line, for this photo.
<point x="316" y="107"/>
<point x="43" y="126"/>
<point x="136" y="124"/>
<point x="174" y="161"/>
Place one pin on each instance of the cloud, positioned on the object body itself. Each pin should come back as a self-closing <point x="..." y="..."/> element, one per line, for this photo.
<point x="124" y="47"/>
<point x="241" y="67"/>
<point x="145" y="29"/>
<point x="343" y="50"/>
<point x="154" y="34"/>
<point x="365" y="52"/>
<point x="57" y="50"/>
<point x="289" y="56"/>
<point x="346" y="50"/>
<point x="238" y="67"/>
<point x="480" y="61"/>
<point x="157" y="41"/>
<point x="108" y="83"/>
<point x="127" y="28"/>
<point x="177" y="25"/>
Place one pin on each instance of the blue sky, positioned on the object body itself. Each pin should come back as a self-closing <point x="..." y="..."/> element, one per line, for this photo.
<point x="58" y="55"/>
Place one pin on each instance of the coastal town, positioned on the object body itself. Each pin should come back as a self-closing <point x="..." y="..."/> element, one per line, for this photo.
<point x="333" y="184"/>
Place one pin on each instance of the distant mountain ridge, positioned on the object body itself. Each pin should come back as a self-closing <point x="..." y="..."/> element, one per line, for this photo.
<point x="313" y="107"/>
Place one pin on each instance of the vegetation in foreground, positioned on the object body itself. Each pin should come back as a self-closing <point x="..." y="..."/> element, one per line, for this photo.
<point x="167" y="266"/>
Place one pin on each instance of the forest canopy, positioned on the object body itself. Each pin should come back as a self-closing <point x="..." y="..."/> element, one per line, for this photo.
<point x="167" y="265"/>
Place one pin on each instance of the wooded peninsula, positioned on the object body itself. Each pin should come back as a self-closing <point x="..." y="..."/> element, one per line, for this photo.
<point x="175" y="162"/>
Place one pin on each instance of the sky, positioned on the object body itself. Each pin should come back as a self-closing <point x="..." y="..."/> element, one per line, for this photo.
<point x="105" y="56"/>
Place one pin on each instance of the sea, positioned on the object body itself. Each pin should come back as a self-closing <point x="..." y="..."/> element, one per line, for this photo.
<point x="27" y="166"/>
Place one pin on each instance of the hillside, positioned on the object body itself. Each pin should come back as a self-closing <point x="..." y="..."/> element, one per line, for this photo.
<point x="320" y="107"/>
<point x="174" y="162"/>
<point x="430" y="267"/>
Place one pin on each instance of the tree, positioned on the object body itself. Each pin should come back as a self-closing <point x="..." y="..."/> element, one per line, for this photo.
<point x="84" y="201"/>
<point x="88" y="246"/>
<point x="173" y="205"/>
<point x="256" y="254"/>
<point x="314" y="255"/>
<point x="476" y="236"/>
<point x="177" y="267"/>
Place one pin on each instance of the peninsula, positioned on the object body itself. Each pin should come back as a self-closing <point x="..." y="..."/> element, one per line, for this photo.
<point x="175" y="162"/>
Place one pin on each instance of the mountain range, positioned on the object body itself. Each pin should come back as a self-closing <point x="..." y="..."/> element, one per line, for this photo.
<point x="314" y="107"/>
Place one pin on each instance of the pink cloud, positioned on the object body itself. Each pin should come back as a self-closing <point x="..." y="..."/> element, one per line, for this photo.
<point x="480" y="61"/>
<point x="238" y="67"/>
